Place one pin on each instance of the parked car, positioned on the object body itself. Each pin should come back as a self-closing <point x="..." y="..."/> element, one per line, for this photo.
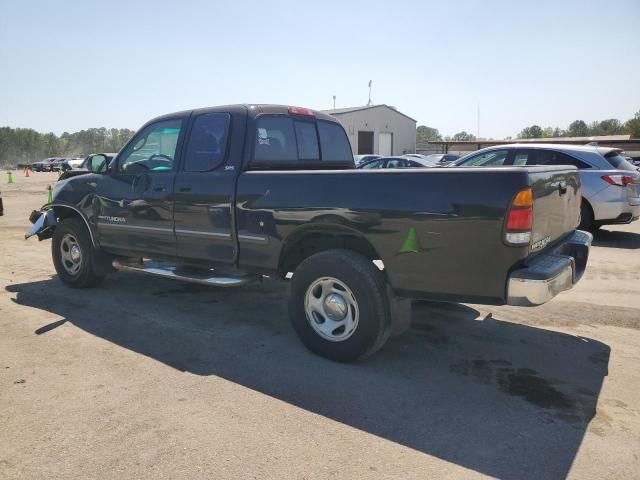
<point x="441" y="158"/>
<point x="60" y="164"/>
<point x="610" y="184"/>
<point x="225" y="195"/>
<point x="45" y="165"/>
<point x="358" y="159"/>
<point x="75" y="162"/>
<point x="397" y="162"/>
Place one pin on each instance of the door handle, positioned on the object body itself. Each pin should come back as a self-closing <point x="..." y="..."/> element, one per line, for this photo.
<point x="160" y="188"/>
<point x="185" y="189"/>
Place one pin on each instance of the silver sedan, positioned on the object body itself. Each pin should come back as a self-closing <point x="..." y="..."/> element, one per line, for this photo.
<point x="610" y="183"/>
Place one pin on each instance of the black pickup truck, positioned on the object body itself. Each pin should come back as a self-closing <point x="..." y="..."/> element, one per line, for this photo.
<point x="227" y="195"/>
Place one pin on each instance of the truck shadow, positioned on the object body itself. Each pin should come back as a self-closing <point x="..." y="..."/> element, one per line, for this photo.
<point x="616" y="239"/>
<point x="504" y="399"/>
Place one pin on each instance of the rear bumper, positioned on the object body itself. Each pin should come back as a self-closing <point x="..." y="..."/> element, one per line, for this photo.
<point x="615" y="205"/>
<point x="550" y="273"/>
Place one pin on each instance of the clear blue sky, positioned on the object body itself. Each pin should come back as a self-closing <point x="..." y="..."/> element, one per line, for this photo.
<point x="72" y="65"/>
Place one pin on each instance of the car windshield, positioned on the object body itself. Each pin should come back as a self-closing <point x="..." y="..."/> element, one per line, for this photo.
<point x="619" y="162"/>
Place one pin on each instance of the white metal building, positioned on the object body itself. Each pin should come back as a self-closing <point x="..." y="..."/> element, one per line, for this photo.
<point x="378" y="129"/>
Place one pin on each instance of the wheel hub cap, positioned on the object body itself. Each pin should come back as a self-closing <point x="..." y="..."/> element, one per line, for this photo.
<point x="331" y="309"/>
<point x="75" y="253"/>
<point x="335" y="307"/>
<point x="70" y="254"/>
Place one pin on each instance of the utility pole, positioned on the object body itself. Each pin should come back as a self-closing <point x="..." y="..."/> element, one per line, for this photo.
<point x="369" y="102"/>
<point x="478" y="132"/>
<point x="334" y="103"/>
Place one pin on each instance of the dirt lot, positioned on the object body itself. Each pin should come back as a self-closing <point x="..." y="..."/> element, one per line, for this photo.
<point x="146" y="378"/>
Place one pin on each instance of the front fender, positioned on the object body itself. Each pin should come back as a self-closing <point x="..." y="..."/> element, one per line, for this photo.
<point x="42" y="224"/>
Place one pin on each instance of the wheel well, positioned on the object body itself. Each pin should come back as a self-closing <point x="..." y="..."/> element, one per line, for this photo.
<point x="311" y="243"/>
<point x="62" y="212"/>
<point x="588" y="205"/>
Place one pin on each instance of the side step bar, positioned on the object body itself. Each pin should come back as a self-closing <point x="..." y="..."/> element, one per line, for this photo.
<point x="206" y="277"/>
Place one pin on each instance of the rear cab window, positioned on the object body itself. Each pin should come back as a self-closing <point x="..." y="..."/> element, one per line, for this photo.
<point x="290" y="142"/>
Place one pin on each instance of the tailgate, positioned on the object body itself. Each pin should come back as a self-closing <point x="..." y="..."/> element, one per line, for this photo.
<point x="556" y="203"/>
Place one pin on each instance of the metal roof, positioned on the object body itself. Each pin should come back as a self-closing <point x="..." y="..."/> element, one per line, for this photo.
<point x="341" y="111"/>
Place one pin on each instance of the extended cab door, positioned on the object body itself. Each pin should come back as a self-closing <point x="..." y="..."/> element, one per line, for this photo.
<point x="205" y="186"/>
<point x="134" y="205"/>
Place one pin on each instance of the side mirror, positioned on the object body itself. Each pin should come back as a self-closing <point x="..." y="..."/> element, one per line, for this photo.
<point x="98" y="164"/>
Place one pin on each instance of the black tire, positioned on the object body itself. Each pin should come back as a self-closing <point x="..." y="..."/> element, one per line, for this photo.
<point x="91" y="269"/>
<point x="368" y="286"/>
<point x="586" y="217"/>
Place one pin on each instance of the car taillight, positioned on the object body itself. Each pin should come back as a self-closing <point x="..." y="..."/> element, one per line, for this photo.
<point x="301" y="111"/>
<point x="618" y="180"/>
<point x="520" y="218"/>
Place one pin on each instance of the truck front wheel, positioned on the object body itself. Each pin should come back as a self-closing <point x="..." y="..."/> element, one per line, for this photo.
<point x="339" y="306"/>
<point x="74" y="258"/>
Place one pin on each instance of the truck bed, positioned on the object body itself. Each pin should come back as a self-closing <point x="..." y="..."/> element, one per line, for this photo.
<point x="445" y="221"/>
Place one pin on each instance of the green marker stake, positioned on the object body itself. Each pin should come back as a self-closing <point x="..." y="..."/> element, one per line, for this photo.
<point x="410" y="244"/>
<point x="10" y="179"/>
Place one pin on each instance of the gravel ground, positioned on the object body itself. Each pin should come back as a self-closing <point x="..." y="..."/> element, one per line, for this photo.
<point x="148" y="378"/>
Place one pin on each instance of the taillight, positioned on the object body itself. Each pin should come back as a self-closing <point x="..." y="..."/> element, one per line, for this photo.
<point x="301" y="111"/>
<point x="520" y="218"/>
<point x="618" y="180"/>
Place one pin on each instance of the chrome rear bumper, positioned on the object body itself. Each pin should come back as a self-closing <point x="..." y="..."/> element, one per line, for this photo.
<point x="547" y="274"/>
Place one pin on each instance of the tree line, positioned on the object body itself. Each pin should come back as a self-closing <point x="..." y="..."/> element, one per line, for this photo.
<point x="577" y="128"/>
<point x="25" y="145"/>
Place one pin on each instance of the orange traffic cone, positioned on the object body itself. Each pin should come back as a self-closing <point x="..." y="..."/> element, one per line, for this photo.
<point x="27" y="173"/>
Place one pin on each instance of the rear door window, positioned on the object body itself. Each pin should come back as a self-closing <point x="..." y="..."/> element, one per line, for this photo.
<point x="551" y="157"/>
<point x="207" y="143"/>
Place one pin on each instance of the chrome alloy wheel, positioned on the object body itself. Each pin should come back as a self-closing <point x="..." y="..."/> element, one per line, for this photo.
<point x="71" y="254"/>
<point x="331" y="309"/>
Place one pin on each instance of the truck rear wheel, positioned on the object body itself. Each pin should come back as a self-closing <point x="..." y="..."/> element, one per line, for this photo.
<point x="339" y="306"/>
<point x="74" y="257"/>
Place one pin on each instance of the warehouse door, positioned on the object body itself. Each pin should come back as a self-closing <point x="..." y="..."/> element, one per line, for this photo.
<point x="385" y="142"/>
<point x="365" y="143"/>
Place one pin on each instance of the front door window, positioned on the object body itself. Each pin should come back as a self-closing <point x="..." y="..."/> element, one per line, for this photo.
<point x="153" y="149"/>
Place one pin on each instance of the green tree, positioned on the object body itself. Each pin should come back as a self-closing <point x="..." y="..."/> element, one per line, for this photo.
<point x="533" y="131"/>
<point x="578" y="128"/>
<point x="425" y="134"/>
<point x="611" y="126"/>
<point x="632" y="126"/>
<point x="463" y="137"/>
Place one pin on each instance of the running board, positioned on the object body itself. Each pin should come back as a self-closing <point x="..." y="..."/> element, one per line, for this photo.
<point x="205" y="277"/>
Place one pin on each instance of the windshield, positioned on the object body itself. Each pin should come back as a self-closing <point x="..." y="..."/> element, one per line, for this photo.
<point x="489" y="158"/>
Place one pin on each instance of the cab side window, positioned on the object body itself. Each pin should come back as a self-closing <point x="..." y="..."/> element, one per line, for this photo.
<point x="153" y="149"/>
<point x="207" y="143"/>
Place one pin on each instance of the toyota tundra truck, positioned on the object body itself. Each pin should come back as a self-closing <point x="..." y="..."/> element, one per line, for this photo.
<point x="227" y="195"/>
